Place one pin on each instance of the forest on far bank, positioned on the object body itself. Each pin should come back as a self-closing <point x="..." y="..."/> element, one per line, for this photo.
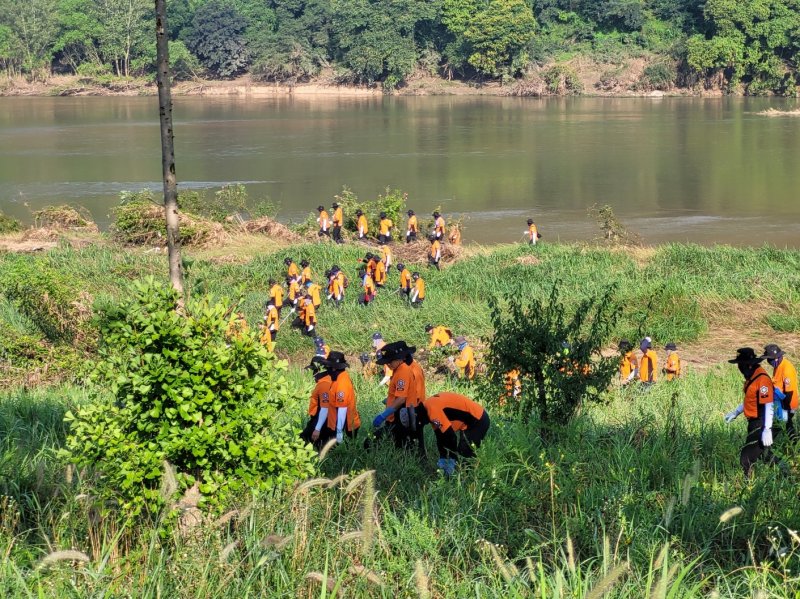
<point x="744" y="46"/>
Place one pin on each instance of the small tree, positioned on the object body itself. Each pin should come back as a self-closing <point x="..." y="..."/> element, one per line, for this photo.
<point x="183" y="389"/>
<point x="556" y="348"/>
<point x="216" y="37"/>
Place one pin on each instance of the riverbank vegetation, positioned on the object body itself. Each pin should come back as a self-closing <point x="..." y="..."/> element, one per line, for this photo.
<point x="639" y="494"/>
<point x="537" y="47"/>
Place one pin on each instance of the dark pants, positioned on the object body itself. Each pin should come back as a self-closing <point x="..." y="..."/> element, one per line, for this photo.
<point x="323" y="233"/>
<point x="325" y="434"/>
<point x="433" y="262"/>
<point x="403" y="437"/>
<point x="472" y="436"/>
<point x="337" y="234"/>
<point x="753" y="450"/>
<point x="411" y="237"/>
<point x="384" y="238"/>
<point x="790" y="430"/>
<point x="418" y="303"/>
<point x="273" y="335"/>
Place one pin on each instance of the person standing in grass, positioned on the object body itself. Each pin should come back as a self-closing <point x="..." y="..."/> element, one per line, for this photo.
<point x="435" y="253"/>
<point x="532" y="233"/>
<point x="343" y="397"/>
<point x="440" y="336"/>
<point x="293" y="291"/>
<point x="361" y="224"/>
<point x="276" y="294"/>
<point x="629" y="365"/>
<point x="459" y="424"/>
<point x="313" y="291"/>
<point x="672" y="369"/>
<point x="412" y="227"/>
<point x="368" y="287"/>
<point x="386" y="252"/>
<point x="379" y="275"/>
<point x="648" y="363"/>
<point x="418" y="291"/>
<point x="465" y="362"/>
<point x="385" y="229"/>
<point x="305" y="275"/>
<point x="291" y="268"/>
<point x="405" y="280"/>
<point x="757" y="408"/>
<point x="335" y="288"/>
<point x="324" y="221"/>
<point x="406" y="392"/>
<point x="337" y="220"/>
<point x="321" y="423"/>
<point x="271" y="325"/>
<point x="784" y="379"/>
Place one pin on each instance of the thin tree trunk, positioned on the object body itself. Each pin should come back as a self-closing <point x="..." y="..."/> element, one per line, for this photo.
<point x="167" y="148"/>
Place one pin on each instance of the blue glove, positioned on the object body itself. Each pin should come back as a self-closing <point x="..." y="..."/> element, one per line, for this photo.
<point x="449" y="466"/>
<point x="440" y="464"/>
<point x="381" y="418"/>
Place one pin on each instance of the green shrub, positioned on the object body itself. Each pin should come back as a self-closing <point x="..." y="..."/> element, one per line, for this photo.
<point x="562" y="80"/>
<point x="8" y="224"/>
<point x="556" y="348"/>
<point x="139" y="220"/>
<point x="659" y="75"/>
<point x="182" y="392"/>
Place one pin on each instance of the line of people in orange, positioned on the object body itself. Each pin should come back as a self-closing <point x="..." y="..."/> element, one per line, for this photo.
<point x="644" y="369"/>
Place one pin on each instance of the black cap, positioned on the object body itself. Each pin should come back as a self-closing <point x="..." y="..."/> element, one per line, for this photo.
<point x="530" y="221"/>
<point x="359" y="212"/>
<point x="287" y="260"/>
<point x="773" y="352"/>
<point x="320" y="208"/>
<point x="436" y="214"/>
<point x="746" y="355"/>
<point x="335" y="361"/>
<point x="415" y="275"/>
<point x="624" y="344"/>
<point x="304" y="262"/>
<point x="397" y="350"/>
<point x="335" y="204"/>
<point x="671" y="346"/>
<point x="410" y="213"/>
<point x="400" y="265"/>
<point x="383" y="215"/>
<point x="428" y="328"/>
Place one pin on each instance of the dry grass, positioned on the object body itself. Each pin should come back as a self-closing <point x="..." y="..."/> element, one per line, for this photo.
<point x="271" y="228"/>
<point x="772" y="112"/>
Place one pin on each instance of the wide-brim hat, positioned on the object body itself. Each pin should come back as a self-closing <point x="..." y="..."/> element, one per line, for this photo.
<point x="746" y="355"/>
<point x="397" y="350"/>
<point x="316" y="363"/>
<point x="773" y="352"/>
<point x="335" y="361"/>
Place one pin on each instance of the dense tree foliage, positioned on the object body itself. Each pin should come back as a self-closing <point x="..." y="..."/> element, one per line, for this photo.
<point x="736" y="45"/>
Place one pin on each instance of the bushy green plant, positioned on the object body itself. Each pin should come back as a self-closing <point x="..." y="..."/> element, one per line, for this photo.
<point x="562" y="80"/>
<point x="8" y="224"/>
<point x="659" y="75"/>
<point x="139" y="220"/>
<point x="556" y="348"/>
<point x="182" y="391"/>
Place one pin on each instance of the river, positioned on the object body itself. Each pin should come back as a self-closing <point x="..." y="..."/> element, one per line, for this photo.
<point x="707" y="170"/>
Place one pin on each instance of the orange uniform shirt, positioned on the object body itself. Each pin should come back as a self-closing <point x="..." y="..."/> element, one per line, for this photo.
<point x="673" y="366"/>
<point x="785" y="379"/>
<point x="532" y="232"/>
<point x="440" y="336"/>
<point x="647" y="367"/>
<point x="309" y="314"/>
<point x="412" y="224"/>
<point x="324" y="220"/>
<point x="385" y="225"/>
<point x="344" y="396"/>
<point x="380" y="273"/>
<point x="466" y="363"/>
<point x="276" y="293"/>
<point x="420" y="287"/>
<point x="338" y="217"/>
<point x="294" y="289"/>
<point x="757" y="391"/>
<point x="436" y="251"/>
<point x="369" y="285"/>
<point x="628" y="365"/>
<point x="305" y="276"/>
<point x="313" y="291"/>
<point x="335" y="287"/>
<point x="292" y="270"/>
<point x="362" y="226"/>
<point x="272" y="319"/>
<point x="452" y="410"/>
<point x="405" y="279"/>
<point x="320" y="396"/>
<point x="439" y="225"/>
<point x="408" y="384"/>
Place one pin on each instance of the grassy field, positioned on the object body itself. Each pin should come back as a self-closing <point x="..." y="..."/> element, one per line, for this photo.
<point x="641" y="496"/>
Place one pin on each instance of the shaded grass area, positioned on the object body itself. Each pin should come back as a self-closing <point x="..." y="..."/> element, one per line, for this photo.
<point x="625" y="480"/>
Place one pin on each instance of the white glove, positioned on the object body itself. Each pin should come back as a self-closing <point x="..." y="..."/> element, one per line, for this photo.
<point x="733" y="414"/>
<point x="310" y="328"/>
<point x="766" y="437"/>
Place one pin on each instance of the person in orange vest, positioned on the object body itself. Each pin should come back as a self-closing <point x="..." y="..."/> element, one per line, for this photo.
<point x="306" y="319"/>
<point x="324" y="221"/>
<point x="336" y="221"/>
<point x="648" y="363"/>
<point x="405" y="280"/>
<point x="291" y="268"/>
<point x="370" y="261"/>
<point x="293" y="291"/>
<point x="440" y="336"/>
<point x="412" y="227"/>
<point x="672" y="369"/>
<point x="271" y="325"/>
<point x="361" y="224"/>
<point x="757" y="408"/>
<point x="379" y="274"/>
<point x="465" y="362"/>
<point x="335" y="287"/>
<point x="629" y="365"/>
<point x="343" y="397"/>
<point x="321" y="425"/>
<point x="438" y="225"/>
<point x="313" y="291"/>
<point x="532" y="233"/>
<point x="406" y="392"/>
<point x="513" y="386"/>
<point x="342" y="278"/>
<point x="305" y="275"/>
<point x="385" y="228"/>
<point x="417" y="296"/>
<point x="784" y="379"/>
<point x="435" y="253"/>
<point x="386" y="253"/>
<point x="276" y="294"/>
<point x="368" y="285"/>
<point x="458" y="423"/>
